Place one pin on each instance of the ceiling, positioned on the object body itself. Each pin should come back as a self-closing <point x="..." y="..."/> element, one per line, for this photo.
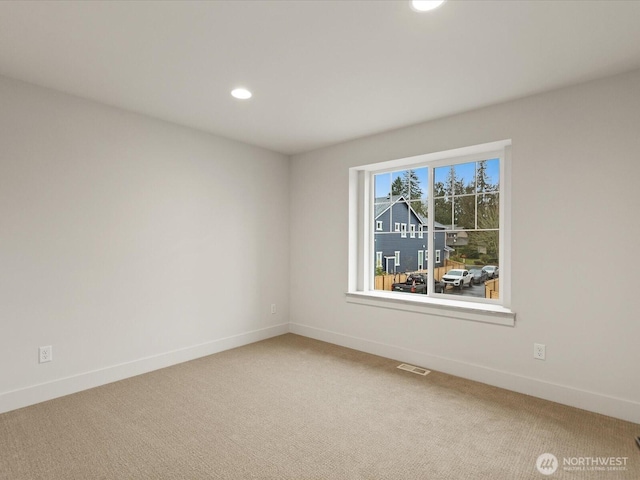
<point x="321" y="72"/>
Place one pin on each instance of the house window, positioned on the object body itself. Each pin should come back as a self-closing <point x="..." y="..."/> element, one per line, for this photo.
<point x="461" y="199"/>
<point x="378" y="260"/>
<point x="396" y="227"/>
<point x="378" y="226"/>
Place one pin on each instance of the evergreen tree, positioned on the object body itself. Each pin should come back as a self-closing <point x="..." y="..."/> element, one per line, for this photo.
<point x="482" y="179"/>
<point x="408" y="185"/>
<point x="397" y="187"/>
<point x="443" y="192"/>
<point x="411" y="185"/>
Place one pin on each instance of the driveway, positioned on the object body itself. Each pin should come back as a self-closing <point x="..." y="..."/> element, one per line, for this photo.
<point x="473" y="291"/>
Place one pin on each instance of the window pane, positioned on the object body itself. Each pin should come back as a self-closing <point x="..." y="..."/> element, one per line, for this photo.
<point x="418" y="213"/>
<point x="382" y="202"/>
<point x="465" y="212"/>
<point x="382" y="186"/>
<point x="443" y="212"/>
<point x="382" y="213"/>
<point x="420" y="186"/>
<point x="410" y="184"/>
<point x="483" y="246"/>
<point x="488" y="211"/>
<point x="455" y="179"/>
<point x="442" y="181"/>
<point x="488" y="176"/>
<point x="476" y="252"/>
<point x="465" y="178"/>
<point x="396" y="184"/>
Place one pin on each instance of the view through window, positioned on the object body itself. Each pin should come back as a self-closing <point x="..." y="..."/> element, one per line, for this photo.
<point x="459" y="203"/>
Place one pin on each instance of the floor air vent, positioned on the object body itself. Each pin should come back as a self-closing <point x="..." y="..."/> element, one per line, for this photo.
<point x="414" y="369"/>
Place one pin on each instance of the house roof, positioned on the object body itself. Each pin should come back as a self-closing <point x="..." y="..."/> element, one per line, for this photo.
<point x="382" y="204"/>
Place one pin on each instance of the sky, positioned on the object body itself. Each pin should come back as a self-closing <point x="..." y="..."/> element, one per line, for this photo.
<point x="464" y="171"/>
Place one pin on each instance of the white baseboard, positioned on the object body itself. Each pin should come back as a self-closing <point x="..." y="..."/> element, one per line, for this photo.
<point x="595" y="402"/>
<point x="65" y="386"/>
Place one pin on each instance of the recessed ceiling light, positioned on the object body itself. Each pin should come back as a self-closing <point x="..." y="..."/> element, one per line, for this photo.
<point x="241" y="93"/>
<point x="425" y="5"/>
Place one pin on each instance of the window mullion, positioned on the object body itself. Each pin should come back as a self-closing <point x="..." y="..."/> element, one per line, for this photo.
<point x="430" y="230"/>
<point x="366" y="207"/>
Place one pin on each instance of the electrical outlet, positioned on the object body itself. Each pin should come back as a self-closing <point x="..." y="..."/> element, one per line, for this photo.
<point x="539" y="351"/>
<point x="46" y="354"/>
<point x="273" y="309"/>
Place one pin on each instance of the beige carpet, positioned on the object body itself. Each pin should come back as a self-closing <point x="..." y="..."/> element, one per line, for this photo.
<point x="295" y="408"/>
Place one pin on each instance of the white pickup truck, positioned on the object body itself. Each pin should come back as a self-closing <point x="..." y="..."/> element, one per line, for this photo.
<point x="458" y="278"/>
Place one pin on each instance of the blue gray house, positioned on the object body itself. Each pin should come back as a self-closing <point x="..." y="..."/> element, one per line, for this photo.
<point x="400" y="236"/>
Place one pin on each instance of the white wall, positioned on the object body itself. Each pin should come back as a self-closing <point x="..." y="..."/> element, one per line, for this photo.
<point x="122" y="239"/>
<point x="575" y="239"/>
<point x="128" y="243"/>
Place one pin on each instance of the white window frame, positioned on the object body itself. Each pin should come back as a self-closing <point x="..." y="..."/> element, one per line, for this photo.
<point x="420" y="259"/>
<point x="379" y="225"/>
<point x="438" y="257"/>
<point x="360" y="281"/>
<point x="403" y="230"/>
<point x="420" y="231"/>
<point x="378" y="259"/>
<point x="396" y="255"/>
<point x="396" y="227"/>
<point x="412" y="230"/>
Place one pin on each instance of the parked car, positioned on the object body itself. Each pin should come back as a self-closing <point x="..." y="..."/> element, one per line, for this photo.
<point x="457" y="277"/>
<point x="478" y="275"/>
<point x="416" y="283"/>
<point x="492" y="271"/>
<point x="438" y="287"/>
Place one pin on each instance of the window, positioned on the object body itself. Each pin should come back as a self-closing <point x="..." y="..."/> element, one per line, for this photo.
<point x="378" y="260"/>
<point x="379" y="225"/>
<point x="460" y="199"/>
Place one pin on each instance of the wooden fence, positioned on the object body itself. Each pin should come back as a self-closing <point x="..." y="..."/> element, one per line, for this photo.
<point x="449" y="264"/>
<point x="492" y="288"/>
<point x="384" y="282"/>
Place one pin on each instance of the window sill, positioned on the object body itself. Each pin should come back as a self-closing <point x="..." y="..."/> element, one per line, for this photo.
<point x="475" y="312"/>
